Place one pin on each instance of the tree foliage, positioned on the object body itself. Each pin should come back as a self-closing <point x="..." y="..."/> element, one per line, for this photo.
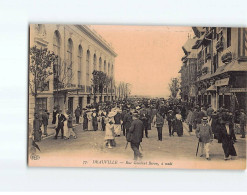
<point x="99" y="81"/>
<point x="40" y="68"/>
<point x="174" y="87"/>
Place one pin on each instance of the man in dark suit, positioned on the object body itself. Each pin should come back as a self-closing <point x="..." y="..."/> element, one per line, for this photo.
<point x="144" y="118"/>
<point x="127" y="122"/>
<point x="45" y="117"/>
<point x="77" y="114"/>
<point x="136" y="131"/>
<point x="60" y="123"/>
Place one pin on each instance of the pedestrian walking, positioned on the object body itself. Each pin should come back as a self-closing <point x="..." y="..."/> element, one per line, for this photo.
<point x="45" y="118"/>
<point x="77" y="114"/>
<point x="70" y="131"/>
<point x="117" y="124"/>
<point x="90" y="123"/>
<point x="158" y="123"/>
<point x="135" y="136"/>
<point x="242" y="119"/>
<point x="36" y="127"/>
<point x="210" y="111"/>
<point x="205" y="135"/>
<point x="144" y="119"/>
<point x="225" y="131"/>
<point x="54" y="115"/>
<point x="127" y="122"/>
<point x="60" y="124"/>
<point x="189" y="120"/>
<point x="109" y="131"/>
<point x="103" y="114"/>
<point x="85" y="121"/>
<point x="95" y="120"/>
<point x="170" y="119"/>
<point x="177" y="125"/>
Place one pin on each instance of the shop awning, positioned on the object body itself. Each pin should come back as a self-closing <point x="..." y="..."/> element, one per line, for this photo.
<point x="211" y="88"/>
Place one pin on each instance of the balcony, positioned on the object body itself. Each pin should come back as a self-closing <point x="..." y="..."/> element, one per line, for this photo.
<point x="82" y="87"/>
<point x="205" y="70"/>
<point x="199" y="73"/>
<point x="219" y="46"/>
<point x="200" y="61"/>
<point x="70" y="85"/>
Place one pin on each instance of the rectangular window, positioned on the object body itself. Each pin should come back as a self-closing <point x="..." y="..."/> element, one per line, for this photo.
<point x="79" y="77"/>
<point x="41" y="104"/>
<point x="43" y="87"/>
<point x="215" y="62"/>
<point x="229" y="34"/>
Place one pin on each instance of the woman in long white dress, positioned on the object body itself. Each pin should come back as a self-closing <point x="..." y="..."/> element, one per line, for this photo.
<point x="65" y="127"/>
<point x="109" y="131"/>
<point x="90" y="123"/>
<point x="99" y="120"/>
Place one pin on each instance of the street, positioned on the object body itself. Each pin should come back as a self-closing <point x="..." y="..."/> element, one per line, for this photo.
<point x="89" y="148"/>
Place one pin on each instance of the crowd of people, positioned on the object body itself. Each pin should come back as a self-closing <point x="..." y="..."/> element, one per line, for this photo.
<point x="135" y="117"/>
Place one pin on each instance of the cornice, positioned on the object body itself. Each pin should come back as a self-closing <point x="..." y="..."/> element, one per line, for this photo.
<point x="96" y="38"/>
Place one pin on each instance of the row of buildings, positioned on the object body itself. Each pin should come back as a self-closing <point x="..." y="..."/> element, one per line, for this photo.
<point x="80" y="51"/>
<point x="214" y="68"/>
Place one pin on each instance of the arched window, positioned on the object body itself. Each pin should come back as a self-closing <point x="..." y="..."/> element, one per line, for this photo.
<point x="56" y="50"/>
<point x="87" y="68"/>
<point x="100" y="64"/>
<point x="70" y="60"/>
<point x="104" y="66"/>
<point x="109" y="69"/>
<point x="79" y="64"/>
<point x="94" y="62"/>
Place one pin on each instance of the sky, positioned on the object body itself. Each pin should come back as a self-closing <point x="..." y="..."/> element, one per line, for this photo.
<point x="148" y="56"/>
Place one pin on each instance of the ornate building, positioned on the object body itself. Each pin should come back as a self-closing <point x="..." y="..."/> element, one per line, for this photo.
<point x="80" y="50"/>
<point x="221" y="67"/>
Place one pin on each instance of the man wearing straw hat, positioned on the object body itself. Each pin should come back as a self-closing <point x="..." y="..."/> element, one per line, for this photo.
<point x="205" y="135"/>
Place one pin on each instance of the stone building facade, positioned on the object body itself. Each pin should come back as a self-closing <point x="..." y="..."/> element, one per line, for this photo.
<point x="221" y="67"/>
<point x="80" y="50"/>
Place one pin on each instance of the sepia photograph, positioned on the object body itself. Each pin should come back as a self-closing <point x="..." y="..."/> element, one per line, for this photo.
<point x="128" y="96"/>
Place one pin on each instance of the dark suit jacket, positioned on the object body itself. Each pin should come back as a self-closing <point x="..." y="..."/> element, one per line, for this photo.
<point x="127" y="120"/>
<point x="136" y="129"/>
<point x="117" y="118"/>
<point x="61" y="120"/>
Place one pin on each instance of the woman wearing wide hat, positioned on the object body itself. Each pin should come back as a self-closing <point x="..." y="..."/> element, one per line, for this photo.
<point x="225" y="137"/>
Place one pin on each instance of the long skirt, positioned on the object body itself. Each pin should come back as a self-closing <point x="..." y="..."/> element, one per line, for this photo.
<point x="228" y="147"/>
<point x="85" y="124"/>
<point x="117" y="129"/>
<point x="65" y="129"/>
<point x="99" y="123"/>
<point x="95" y="125"/>
<point x="90" y="125"/>
<point x="37" y="135"/>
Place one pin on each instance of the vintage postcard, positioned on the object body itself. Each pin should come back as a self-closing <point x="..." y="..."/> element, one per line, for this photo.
<point x="116" y="96"/>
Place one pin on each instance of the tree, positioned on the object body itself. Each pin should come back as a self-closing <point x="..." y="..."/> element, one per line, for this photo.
<point x="99" y="81"/>
<point x="174" y="87"/>
<point x="123" y="90"/>
<point x="40" y="68"/>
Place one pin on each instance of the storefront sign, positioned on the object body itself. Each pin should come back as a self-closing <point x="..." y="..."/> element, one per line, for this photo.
<point x="222" y="82"/>
<point x="236" y="90"/>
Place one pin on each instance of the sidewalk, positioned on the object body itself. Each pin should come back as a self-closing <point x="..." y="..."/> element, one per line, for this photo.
<point x="186" y="128"/>
<point x="51" y="130"/>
